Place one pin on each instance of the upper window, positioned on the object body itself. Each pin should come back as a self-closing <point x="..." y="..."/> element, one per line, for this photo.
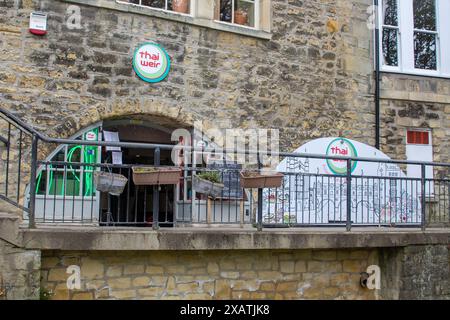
<point x="411" y="39"/>
<point x="251" y="17"/>
<point x="241" y="12"/>
<point x="180" y="6"/>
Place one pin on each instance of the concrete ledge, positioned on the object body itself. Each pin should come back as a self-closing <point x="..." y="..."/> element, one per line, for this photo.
<point x="220" y="239"/>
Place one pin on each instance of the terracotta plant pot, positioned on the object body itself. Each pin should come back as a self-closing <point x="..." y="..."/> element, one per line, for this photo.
<point x="207" y="187"/>
<point x="240" y="17"/>
<point x="256" y="179"/>
<point x="181" y="6"/>
<point x="147" y="176"/>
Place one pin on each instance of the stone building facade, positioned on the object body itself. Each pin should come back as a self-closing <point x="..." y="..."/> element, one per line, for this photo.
<point x="311" y="76"/>
<point x="308" y="72"/>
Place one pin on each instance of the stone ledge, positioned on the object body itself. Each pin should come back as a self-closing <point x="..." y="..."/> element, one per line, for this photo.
<point x="93" y="238"/>
<point x="387" y="94"/>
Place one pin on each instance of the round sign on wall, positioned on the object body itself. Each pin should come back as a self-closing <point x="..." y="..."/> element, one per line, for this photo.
<point x="343" y="148"/>
<point x="151" y="62"/>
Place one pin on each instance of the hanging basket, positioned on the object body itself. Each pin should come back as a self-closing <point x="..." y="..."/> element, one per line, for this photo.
<point x="147" y="176"/>
<point x="207" y="187"/>
<point x="257" y="180"/>
<point x="112" y="183"/>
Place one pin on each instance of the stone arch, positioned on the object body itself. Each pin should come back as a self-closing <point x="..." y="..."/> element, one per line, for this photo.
<point x="151" y="110"/>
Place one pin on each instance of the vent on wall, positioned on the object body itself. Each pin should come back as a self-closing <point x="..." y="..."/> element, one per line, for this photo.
<point x="418" y="137"/>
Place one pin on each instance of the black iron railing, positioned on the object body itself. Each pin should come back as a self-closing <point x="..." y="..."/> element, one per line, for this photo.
<point x="65" y="192"/>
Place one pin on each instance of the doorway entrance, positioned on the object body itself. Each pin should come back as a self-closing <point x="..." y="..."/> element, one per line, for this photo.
<point x="137" y="205"/>
<point x="65" y="188"/>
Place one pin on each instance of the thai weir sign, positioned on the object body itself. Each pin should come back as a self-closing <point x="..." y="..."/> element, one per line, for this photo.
<point x="314" y="191"/>
<point x="151" y="62"/>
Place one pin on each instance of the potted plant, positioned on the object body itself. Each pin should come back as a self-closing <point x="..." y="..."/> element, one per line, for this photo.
<point x="146" y="176"/>
<point x="208" y="183"/>
<point x="240" y="16"/>
<point x="112" y="183"/>
<point x="181" y="6"/>
<point x="261" y="179"/>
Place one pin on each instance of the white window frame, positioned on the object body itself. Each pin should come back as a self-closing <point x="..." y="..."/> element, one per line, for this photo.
<point x="257" y="14"/>
<point x="165" y="9"/>
<point x="406" y="40"/>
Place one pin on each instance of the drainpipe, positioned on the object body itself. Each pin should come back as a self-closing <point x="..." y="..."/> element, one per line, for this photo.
<point x="377" y="77"/>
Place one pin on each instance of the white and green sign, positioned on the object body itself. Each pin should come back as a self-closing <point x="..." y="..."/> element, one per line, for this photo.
<point x="151" y="62"/>
<point x="341" y="147"/>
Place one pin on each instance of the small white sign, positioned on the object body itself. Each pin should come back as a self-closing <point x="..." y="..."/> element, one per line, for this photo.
<point x="38" y="23"/>
<point x="91" y="136"/>
<point x="116" y="157"/>
<point x="110" y="136"/>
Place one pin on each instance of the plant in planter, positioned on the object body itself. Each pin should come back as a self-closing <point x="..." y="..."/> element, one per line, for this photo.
<point x="261" y="179"/>
<point x="208" y="183"/>
<point x="146" y="176"/>
<point x="181" y="6"/>
<point x="112" y="183"/>
<point x="241" y="16"/>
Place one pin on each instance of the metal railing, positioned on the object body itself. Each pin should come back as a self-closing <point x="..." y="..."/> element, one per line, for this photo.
<point x="59" y="192"/>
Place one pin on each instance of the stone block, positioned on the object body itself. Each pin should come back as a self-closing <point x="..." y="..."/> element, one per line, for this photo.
<point x="286" y="286"/>
<point x="133" y="269"/>
<point x="114" y="271"/>
<point x="151" y="270"/>
<point x="119" y="283"/>
<point x="58" y="274"/>
<point x="123" y="294"/>
<point x="141" y="281"/>
<point x="92" y="269"/>
<point x="287" y="266"/>
<point x="222" y="289"/>
<point x="83" y="296"/>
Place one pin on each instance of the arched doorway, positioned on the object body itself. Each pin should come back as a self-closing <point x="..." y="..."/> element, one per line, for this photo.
<point x="65" y="190"/>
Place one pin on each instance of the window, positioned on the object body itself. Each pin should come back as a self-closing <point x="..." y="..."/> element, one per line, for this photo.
<point x="414" y="36"/>
<point x="179" y="6"/>
<point x="246" y="17"/>
<point x="240" y="12"/>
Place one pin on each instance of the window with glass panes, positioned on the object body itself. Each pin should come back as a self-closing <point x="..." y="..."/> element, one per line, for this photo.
<point x="179" y="6"/>
<point x="240" y="12"/>
<point x="414" y="36"/>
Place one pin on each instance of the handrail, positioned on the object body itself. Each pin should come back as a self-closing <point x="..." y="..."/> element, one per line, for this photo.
<point x="23" y="127"/>
<point x="138" y="145"/>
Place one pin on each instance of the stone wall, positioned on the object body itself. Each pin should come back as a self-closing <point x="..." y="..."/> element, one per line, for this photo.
<point x="415" y="102"/>
<point x="412" y="272"/>
<point x="305" y="81"/>
<point x="19" y="272"/>
<point x="274" y="274"/>
<point x="425" y="273"/>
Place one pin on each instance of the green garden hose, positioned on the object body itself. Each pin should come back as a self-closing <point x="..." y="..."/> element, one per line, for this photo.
<point x="90" y="156"/>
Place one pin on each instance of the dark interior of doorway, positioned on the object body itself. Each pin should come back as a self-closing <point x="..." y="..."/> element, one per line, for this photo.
<point x="134" y="207"/>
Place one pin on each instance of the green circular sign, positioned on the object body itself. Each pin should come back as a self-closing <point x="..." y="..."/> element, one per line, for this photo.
<point x="151" y="62"/>
<point x="343" y="148"/>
